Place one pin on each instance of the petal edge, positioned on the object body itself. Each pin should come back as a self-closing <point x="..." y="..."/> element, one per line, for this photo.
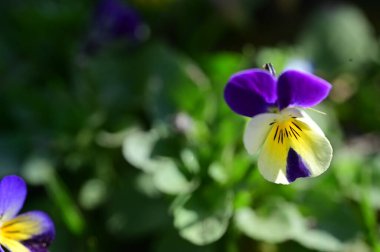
<point x="12" y="196"/>
<point x="296" y="88"/>
<point x="250" y="92"/>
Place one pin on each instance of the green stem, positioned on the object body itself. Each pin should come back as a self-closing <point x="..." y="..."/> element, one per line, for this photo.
<point x="368" y="212"/>
<point x="70" y="213"/>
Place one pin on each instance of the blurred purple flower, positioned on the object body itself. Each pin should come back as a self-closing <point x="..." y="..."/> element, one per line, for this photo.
<point x="29" y="232"/>
<point x="114" y="20"/>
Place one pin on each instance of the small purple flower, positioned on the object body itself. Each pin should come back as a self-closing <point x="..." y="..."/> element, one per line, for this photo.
<point x="116" y="19"/>
<point x="292" y="145"/>
<point x="29" y="232"/>
<point x="113" y="20"/>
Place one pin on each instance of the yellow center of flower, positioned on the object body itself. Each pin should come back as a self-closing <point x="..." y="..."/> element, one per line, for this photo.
<point x="18" y="229"/>
<point x="285" y="127"/>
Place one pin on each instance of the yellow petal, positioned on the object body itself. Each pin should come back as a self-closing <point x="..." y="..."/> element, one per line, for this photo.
<point x="20" y="228"/>
<point x="12" y="245"/>
<point x="273" y="156"/>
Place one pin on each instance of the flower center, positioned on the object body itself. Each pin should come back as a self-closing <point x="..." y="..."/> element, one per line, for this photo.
<point x="273" y="110"/>
<point x="285" y="127"/>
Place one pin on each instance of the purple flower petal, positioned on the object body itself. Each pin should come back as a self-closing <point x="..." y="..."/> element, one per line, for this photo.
<point x="12" y="196"/>
<point x="295" y="167"/>
<point x="301" y="89"/>
<point x="250" y="92"/>
<point x="116" y="19"/>
<point x="113" y="19"/>
<point x="41" y="240"/>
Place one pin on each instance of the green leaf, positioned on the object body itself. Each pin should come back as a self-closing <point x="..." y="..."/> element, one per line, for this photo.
<point x="204" y="218"/>
<point x="284" y="222"/>
<point x="172" y="242"/>
<point x="243" y="198"/>
<point x="190" y="161"/>
<point x="168" y="178"/>
<point x="144" y="184"/>
<point x="218" y="173"/>
<point x="138" y="146"/>
<point x="270" y="227"/>
<point x="92" y="193"/>
<point x="38" y="171"/>
<point x="319" y="240"/>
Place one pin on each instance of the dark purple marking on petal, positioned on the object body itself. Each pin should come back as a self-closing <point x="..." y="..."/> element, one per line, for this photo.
<point x="295" y="168"/>
<point x="301" y="89"/>
<point x="1" y="249"/>
<point x="12" y="196"/>
<point x="250" y="92"/>
<point x="40" y="242"/>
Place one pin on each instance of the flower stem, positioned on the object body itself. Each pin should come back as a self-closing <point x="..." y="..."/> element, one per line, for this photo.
<point x="368" y="212"/>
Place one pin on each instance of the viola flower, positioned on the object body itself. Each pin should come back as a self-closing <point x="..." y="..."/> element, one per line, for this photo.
<point x="114" y="20"/>
<point x="117" y="19"/>
<point x="29" y="232"/>
<point x="292" y="144"/>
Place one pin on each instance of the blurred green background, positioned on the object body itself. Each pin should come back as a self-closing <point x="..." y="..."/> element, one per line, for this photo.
<point x="113" y="112"/>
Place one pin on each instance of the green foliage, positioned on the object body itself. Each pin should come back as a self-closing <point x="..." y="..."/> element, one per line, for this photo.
<point x="282" y="223"/>
<point x="344" y="35"/>
<point x="204" y="217"/>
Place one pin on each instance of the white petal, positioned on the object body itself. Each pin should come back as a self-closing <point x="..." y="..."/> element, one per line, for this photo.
<point x="257" y="130"/>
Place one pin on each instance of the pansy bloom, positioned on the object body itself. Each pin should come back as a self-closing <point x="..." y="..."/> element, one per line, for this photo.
<point x="291" y="144"/>
<point x="116" y="19"/>
<point x="113" y="20"/>
<point x="29" y="232"/>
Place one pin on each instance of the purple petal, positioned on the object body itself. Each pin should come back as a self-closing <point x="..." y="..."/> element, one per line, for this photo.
<point x="301" y="89"/>
<point x="117" y="19"/>
<point x="12" y="196"/>
<point x="250" y="92"/>
<point x="112" y="20"/>
<point x="40" y="241"/>
<point x="295" y="168"/>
